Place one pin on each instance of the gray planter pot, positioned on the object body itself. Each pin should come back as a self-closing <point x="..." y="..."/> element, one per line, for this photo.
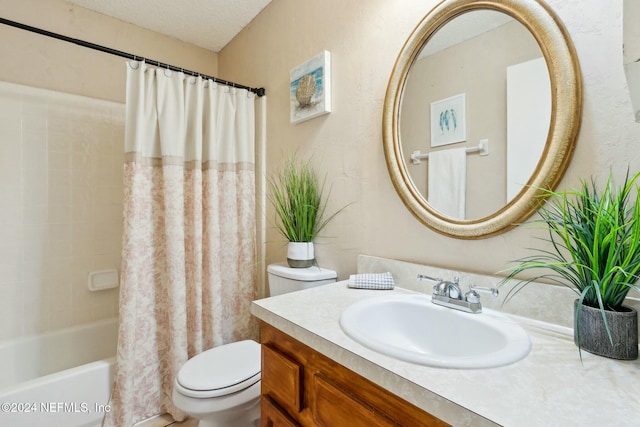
<point x="593" y="333"/>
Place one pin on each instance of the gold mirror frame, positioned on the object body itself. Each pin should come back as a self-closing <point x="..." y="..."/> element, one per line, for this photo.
<point x="566" y="88"/>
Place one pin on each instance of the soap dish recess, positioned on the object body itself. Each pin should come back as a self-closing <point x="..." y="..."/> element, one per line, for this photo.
<point x="103" y="279"/>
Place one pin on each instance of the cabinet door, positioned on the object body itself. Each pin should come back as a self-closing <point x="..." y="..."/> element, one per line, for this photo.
<point x="335" y="407"/>
<point x="281" y="379"/>
<point x="272" y="416"/>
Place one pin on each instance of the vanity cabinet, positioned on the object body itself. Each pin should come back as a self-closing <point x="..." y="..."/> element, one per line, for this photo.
<point x="301" y="387"/>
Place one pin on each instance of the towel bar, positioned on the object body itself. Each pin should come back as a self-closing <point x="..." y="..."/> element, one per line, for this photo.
<point x="482" y="149"/>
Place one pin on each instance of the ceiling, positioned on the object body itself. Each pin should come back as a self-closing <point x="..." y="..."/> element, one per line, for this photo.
<point x="210" y="24"/>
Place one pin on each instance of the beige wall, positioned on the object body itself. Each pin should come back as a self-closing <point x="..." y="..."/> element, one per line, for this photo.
<point x="364" y="39"/>
<point x="35" y="60"/>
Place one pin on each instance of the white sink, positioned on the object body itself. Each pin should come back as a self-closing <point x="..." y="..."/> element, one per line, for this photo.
<point x="410" y="327"/>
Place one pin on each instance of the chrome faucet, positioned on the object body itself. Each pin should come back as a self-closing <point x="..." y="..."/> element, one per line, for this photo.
<point x="448" y="294"/>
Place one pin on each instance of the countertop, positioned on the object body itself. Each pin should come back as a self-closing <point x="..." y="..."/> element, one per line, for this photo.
<point x="550" y="387"/>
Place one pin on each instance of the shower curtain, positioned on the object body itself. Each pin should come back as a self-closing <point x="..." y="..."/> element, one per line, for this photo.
<point x="188" y="270"/>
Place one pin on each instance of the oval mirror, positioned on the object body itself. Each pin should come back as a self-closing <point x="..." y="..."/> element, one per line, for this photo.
<point x="481" y="114"/>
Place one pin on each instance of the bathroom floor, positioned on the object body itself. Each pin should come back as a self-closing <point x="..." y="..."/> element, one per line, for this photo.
<point x="166" y="420"/>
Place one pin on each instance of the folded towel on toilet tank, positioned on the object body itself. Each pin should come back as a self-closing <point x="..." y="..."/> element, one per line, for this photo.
<point x="381" y="281"/>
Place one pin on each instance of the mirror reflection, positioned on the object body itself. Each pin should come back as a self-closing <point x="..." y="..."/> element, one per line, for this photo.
<point x="476" y="106"/>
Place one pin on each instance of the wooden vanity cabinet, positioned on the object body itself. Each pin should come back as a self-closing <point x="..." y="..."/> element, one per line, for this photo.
<point x="301" y="387"/>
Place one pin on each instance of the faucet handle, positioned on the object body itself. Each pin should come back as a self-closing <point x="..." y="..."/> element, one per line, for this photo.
<point x="425" y="277"/>
<point x="439" y="288"/>
<point x="475" y="289"/>
<point x="473" y="296"/>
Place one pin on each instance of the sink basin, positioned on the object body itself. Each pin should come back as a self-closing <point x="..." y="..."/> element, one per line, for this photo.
<point x="410" y="327"/>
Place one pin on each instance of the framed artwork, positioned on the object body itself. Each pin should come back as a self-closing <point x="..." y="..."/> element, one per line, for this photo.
<point x="448" y="121"/>
<point x="310" y="88"/>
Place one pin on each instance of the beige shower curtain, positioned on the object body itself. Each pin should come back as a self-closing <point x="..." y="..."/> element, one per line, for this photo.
<point x="188" y="271"/>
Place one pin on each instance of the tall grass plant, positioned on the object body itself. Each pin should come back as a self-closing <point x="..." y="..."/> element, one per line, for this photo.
<point x="299" y="199"/>
<point x="593" y="245"/>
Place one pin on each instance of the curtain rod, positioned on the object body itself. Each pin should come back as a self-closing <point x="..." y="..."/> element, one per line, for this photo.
<point x="257" y="91"/>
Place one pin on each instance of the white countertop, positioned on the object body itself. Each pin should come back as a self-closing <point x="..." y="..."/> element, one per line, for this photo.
<point x="550" y="387"/>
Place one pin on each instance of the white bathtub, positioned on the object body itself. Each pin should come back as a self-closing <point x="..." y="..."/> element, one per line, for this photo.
<point x="56" y="379"/>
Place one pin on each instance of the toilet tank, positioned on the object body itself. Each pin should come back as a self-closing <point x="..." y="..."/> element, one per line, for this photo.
<point x="284" y="279"/>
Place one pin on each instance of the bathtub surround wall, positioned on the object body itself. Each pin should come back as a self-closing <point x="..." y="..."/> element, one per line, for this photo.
<point x="364" y="39"/>
<point x="61" y="177"/>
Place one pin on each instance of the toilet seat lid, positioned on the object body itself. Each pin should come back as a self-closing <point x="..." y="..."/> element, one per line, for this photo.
<point x="221" y="370"/>
<point x="308" y="274"/>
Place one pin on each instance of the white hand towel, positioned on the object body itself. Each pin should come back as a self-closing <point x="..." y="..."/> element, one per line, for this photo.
<point x="448" y="181"/>
<point x="371" y="281"/>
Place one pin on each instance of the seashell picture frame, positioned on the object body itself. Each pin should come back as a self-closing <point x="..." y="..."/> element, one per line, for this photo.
<point x="310" y="88"/>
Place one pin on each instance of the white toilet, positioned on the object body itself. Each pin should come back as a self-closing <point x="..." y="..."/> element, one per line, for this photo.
<point x="221" y="386"/>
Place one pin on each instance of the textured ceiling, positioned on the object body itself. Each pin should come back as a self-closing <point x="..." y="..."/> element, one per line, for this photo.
<point x="210" y="24"/>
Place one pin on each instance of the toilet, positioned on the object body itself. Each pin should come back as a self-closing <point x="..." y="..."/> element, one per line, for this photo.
<point x="221" y="386"/>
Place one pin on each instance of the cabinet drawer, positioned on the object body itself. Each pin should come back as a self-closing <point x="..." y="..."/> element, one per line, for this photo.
<point x="272" y="416"/>
<point x="281" y="379"/>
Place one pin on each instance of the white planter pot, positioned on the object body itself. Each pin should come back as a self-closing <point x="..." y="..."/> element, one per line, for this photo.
<point x="300" y="254"/>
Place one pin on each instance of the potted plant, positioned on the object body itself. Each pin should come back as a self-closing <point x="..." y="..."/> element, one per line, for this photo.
<point x="594" y="250"/>
<point x="299" y="201"/>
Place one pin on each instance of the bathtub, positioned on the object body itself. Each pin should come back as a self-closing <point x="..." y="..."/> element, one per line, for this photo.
<point x="56" y="379"/>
